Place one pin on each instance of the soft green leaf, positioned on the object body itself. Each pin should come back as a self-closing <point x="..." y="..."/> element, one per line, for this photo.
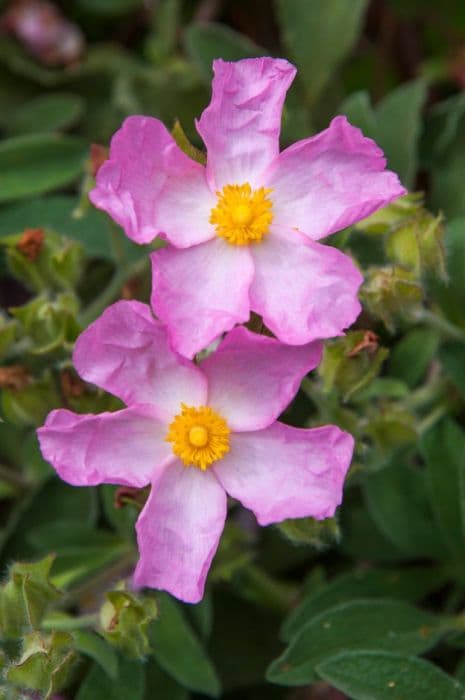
<point x="109" y="7"/>
<point x="408" y="584"/>
<point x="398" y="502"/>
<point x="178" y="651"/>
<point x="450" y="295"/>
<point x="205" y="42"/>
<point x="452" y="357"/>
<point x="45" y="114"/>
<point x="444" y="450"/>
<point x="98" y="649"/>
<point x="38" y="163"/>
<point x="398" y="118"/>
<point x="360" y="624"/>
<point x="377" y="675"/>
<point x="57" y="214"/>
<point x="129" y="684"/>
<point x="319" y="35"/>
<point x="412" y="355"/>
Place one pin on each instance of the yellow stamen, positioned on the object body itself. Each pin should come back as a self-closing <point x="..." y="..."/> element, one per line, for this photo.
<point x="242" y="215"/>
<point x="199" y="436"/>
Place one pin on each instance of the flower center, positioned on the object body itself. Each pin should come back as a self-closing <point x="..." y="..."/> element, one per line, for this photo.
<point x="242" y="215"/>
<point x="199" y="436"/>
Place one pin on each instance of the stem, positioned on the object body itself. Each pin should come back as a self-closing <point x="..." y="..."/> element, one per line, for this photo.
<point x="12" y="478"/>
<point x="51" y="623"/>
<point x="112" y="291"/>
<point x="436" y="414"/>
<point x="445" y="327"/>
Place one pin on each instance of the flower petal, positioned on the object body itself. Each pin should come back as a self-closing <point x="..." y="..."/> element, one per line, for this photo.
<point x="201" y="292"/>
<point x="303" y="290"/>
<point x="283" y="472"/>
<point x="127" y="447"/>
<point x="178" y="532"/>
<point x="330" y="181"/>
<point x="241" y="125"/>
<point x="126" y="352"/>
<point x="252" y="378"/>
<point x="149" y="186"/>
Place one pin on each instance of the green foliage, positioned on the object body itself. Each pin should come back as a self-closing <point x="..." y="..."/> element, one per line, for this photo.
<point x="373" y="675"/>
<point x="342" y="591"/>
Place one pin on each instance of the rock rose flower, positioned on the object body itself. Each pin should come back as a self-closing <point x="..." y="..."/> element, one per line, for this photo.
<point x="195" y="433"/>
<point x="243" y="229"/>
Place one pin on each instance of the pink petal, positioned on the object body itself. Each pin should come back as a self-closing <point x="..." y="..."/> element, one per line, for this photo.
<point x="303" y="290"/>
<point x="201" y="292"/>
<point x="283" y="472"/>
<point x="127" y="447"/>
<point x="241" y="125"/>
<point x="330" y="181"/>
<point x="126" y="352"/>
<point x="178" y="532"/>
<point x="252" y="378"/>
<point x="149" y="186"/>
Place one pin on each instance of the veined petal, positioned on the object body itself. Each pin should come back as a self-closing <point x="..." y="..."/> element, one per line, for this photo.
<point x="283" y="472"/>
<point x="252" y="378"/>
<point x="201" y="292"/>
<point x="241" y="125"/>
<point x="149" y="186"/>
<point x="304" y="290"/>
<point x="329" y="181"/>
<point x="126" y="352"/>
<point x="178" y="532"/>
<point x="127" y="447"/>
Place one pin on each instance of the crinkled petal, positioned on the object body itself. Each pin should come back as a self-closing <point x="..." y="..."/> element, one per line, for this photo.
<point x="283" y="472"/>
<point x="127" y="447"/>
<point x="241" y="125"/>
<point x="201" y="292"/>
<point x="178" y="532"/>
<point x="127" y="352"/>
<point x="303" y="290"/>
<point x="149" y="186"/>
<point x="252" y="378"/>
<point x="330" y="181"/>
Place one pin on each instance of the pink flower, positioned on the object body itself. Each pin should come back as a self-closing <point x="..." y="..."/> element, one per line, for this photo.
<point x="243" y="230"/>
<point x="195" y="433"/>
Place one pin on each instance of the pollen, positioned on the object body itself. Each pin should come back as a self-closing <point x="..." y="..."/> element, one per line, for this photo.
<point x="242" y="215"/>
<point x="199" y="436"/>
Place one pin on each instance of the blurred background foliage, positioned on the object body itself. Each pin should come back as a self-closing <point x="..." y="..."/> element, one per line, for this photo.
<point x="368" y="605"/>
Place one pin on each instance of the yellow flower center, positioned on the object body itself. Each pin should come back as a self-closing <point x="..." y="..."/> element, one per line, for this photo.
<point x="242" y="215"/>
<point x="199" y="436"/>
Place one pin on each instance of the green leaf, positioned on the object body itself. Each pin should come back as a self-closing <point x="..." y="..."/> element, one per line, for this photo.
<point x="361" y="624"/>
<point x="96" y="648"/>
<point x="450" y="295"/>
<point x="452" y="357"/>
<point x="109" y="7"/>
<point x="205" y="42"/>
<point x="412" y="355"/>
<point x="45" y="114"/>
<point x="158" y="685"/>
<point x="130" y="683"/>
<point x="319" y="36"/>
<point x="56" y="213"/>
<point x="444" y="452"/>
<point x="398" y="502"/>
<point x="45" y="664"/>
<point x="376" y="675"/>
<point x="359" y="111"/>
<point x="178" y="651"/>
<point x="398" y="117"/>
<point x="410" y="584"/>
<point x="38" y="163"/>
<point x="126" y="619"/>
<point x="25" y="596"/>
